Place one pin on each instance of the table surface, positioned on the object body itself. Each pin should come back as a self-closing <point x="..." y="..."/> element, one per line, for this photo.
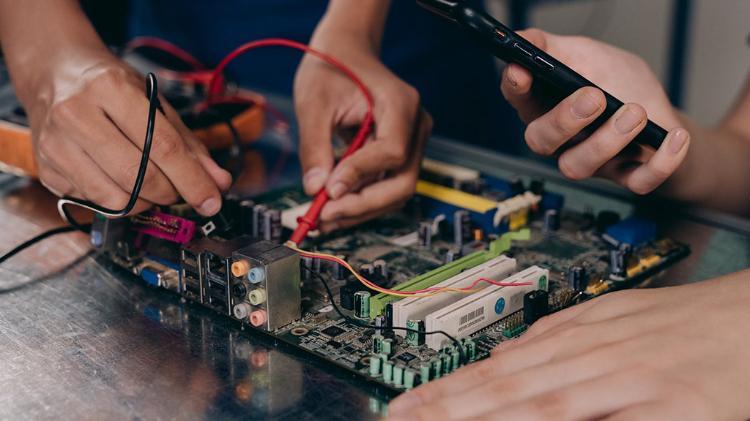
<point x="79" y="340"/>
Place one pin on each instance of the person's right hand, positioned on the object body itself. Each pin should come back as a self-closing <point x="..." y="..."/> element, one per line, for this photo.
<point x="606" y="152"/>
<point x="88" y="134"/>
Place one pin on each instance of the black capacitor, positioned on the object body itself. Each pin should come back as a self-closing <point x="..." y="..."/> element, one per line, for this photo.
<point x="338" y="271"/>
<point x="605" y="219"/>
<point x="618" y="261"/>
<point x="246" y="217"/>
<point x="307" y="266"/>
<point x="381" y="268"/>
<point x="537" y="186"/>
<point x="551" y="220"/>
<point x="367" y="269"/>
<point x="535" y="306"/>
<point x="516" y="186"/>
<point x="257" y="223"/>
<point x="424" y="233"/>
<point x="272" y="225"/>
<point x="577" y="278"/>
<point x="346" y="295"/>
<point x="461" y="227"/>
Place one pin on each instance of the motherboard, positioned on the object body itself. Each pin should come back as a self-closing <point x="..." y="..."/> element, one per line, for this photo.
<point x="470" y="262"/>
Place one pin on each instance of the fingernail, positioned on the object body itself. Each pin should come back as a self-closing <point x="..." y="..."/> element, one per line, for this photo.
<point x="677" y="142"/>
<point x="628" y="121"/>
<point x="210" y="206"/>
<point x="315" y="178"/>
<point x="585" y="106"/>
<point x="337" y="190"/>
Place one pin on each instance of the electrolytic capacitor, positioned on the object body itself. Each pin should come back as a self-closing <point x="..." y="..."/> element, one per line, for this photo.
<point x="388" y="346"/>
<point x="535" y="306"/>
<point x="424" y="372"/>
<point x="409" y="378"/>
<point x="362" y="304"/>
<point x="461" y="227"/>
<point x="388" y="372"/>
<point x="377" y="343"/>
<point x="381" y="268"/>
<point x="618" y="260"/>
<point x="307" y="267"/>
<point x="338" y="271"/>
<point x="367" y="269"/>
<point x="272" y="225"/>
<point x="551" y="221"/>
<point x="424" y="233"/>
<point x="375" y="363"/>
<point x="577" y="278"/>
<point x="398" y="374"/>
<point x="246" y="216"/>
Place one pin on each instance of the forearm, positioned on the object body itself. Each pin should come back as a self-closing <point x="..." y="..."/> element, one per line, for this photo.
<point x="362" y="21"/>
<point x="41" y="39"/>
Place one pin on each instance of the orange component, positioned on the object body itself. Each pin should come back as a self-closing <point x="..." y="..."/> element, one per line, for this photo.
<point x="240" y="268"/>
<point x="478" y="234"/>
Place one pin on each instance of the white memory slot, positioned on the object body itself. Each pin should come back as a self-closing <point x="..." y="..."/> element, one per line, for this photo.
<point x="289" y="218"/>
<point x="483" y="308"/>
<point x="418" y="307"/>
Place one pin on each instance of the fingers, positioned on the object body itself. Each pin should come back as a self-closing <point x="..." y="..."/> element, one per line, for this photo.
<point x="549" y="132"/>
<point x="397" y="127"/>
<point x="516" y="88"/>
<point x="646" y="178"/>
<point x="382" y="196"/>
<point x="586" y="158"/>
<point x="169" y="151"/>
<point x="316" y="149"/>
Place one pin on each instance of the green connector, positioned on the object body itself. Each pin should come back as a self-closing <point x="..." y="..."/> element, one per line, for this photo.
<point x="435" y="276"/>
<point x="511" y="333"/>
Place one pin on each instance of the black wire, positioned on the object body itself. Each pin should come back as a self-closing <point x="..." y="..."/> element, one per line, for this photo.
<point x="30" y="242"/>
<point x="360" y="323"/>
<point x="152" y="92"/>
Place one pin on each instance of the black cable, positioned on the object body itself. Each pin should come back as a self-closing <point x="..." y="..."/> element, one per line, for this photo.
<point x="360" y="323"/>
<point x="30" y="242"/>
<point x="152" y="92"/>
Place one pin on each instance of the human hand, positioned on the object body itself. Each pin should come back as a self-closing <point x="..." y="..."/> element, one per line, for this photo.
<point x="607" y="152"/>
<point x="380" y="176"/>
<point x="88" y="135"/>
<point x="669" y="353"/>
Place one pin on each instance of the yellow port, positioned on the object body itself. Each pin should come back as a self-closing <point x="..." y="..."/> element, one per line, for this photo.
<point x="257" y="296"/>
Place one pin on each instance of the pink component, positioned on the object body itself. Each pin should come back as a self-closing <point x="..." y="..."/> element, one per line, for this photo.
<point x="258" y="318"/>
<point x="165" y="226"/>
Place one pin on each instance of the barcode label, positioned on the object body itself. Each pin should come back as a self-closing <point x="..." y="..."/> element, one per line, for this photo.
<point x="466" y="318"/>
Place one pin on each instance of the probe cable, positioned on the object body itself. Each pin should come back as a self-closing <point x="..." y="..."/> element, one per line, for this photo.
<point x="361" y="323"/>
<point x="309" y="220"/>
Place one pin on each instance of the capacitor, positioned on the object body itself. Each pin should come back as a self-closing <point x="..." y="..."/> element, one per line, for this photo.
<point x="377" y="343"/>
<point x="551" y="221"/>
<point x="535" y="306"/>
<point x="537" y="186"/>
<point x="307" y="267"/>
<point x="388" y="372"/>
<point x="257" y="224"/>
<point x="381" y="268"/>
<point x="338" y="271"/>
<point x="516" y="186"/>
<point x="398" y="374"/>
<point x="346" y="295"/>
<point x="409" y="378"/>
<point x="246" y="216"/>
<point x="362" y="304"/>
<point x="461" y="227"/>
<point x="617" y="263"/>
<point x="456" y="358"/>
<point x="367" y="269"/>
<point x="374" y="365"/>
<point x="272" y="225"/>
<point x="436" y="364"/>
<point x="424" y="372"/>
<point x="470" y="348"/>
<point x="577" y="278"/>
<point x="415" y="336"/>
<point x="388" y="346"/>
<point x="424" y="234"/>
<point x="380" y="322"/>
<point x="447" y="363"/>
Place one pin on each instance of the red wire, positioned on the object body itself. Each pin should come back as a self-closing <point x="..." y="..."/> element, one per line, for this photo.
<point x="310" y="219"/>
<point x="167" y="47"/>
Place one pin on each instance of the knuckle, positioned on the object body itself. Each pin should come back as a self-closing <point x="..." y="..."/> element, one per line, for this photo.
<point x="64" y="112"/>
<point x="533" y="139"/>
<point x="167" y="145"/>
<point x="110" y="77"/>
<point x="104" y="197"/>
<point x="569" y="170"/>
<point x="46" y="147"/>
<point x="554" y="405"/>
<point x="561" y="124"/>
<point x="396" y="156"/>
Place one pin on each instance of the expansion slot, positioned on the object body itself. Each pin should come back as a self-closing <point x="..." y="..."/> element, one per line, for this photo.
<point x="483" y="308"/>
<point x="435" y="276"/>
<point x="417" y="308"/>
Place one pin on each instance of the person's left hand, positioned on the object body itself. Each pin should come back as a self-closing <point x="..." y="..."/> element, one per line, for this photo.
<point x="381" y="175"/>
<point x="669" y="353"/>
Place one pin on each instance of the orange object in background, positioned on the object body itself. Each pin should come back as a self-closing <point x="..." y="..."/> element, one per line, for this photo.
<point x="17" y="153"/>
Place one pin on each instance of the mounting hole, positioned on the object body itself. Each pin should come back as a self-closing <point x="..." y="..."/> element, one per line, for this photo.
<point x="299" y="331"/>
